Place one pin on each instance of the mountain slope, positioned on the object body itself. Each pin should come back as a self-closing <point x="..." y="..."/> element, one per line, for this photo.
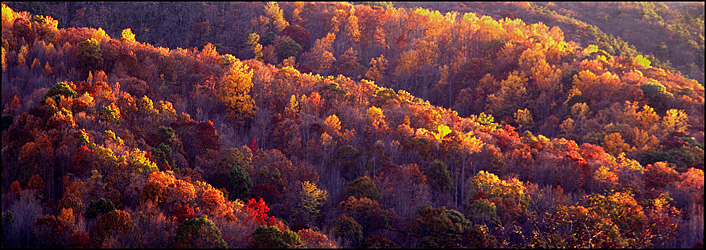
<point x="344" y="160"/>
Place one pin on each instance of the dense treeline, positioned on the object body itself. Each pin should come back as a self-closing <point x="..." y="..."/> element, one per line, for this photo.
<point x="328" y="125"/>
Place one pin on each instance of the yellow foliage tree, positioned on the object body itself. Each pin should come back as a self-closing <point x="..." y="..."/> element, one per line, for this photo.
<point x="277" y="15"/>
<point x="127" y="35"/>
<point x="443" y="131"/>
<point x="253" y="41"/>
<point x="352" y="28"/>
<point x="234" y="91"/>
<point x="332" y="125"/>
<point x="99" y="35"/>
<point x="642" y="61"/>
<point x="614" y="144"/>
<point x="674" y="121"/>
<point x="376" y="118"/>
<point x="510" y="196"/>
<point x="140" y="163"/>
<point x="311" y="200"/>
<point x="523" y="117"/>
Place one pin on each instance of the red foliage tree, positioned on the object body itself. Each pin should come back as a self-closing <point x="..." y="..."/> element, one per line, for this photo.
<point x="258" y="211"/>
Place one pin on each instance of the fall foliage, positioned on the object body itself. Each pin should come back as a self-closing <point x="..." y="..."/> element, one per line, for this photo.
<point x="351" y="125"/>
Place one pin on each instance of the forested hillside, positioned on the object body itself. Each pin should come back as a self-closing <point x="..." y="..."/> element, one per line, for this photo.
<point x="670" y="34"/>
<point x="339" y="125"/>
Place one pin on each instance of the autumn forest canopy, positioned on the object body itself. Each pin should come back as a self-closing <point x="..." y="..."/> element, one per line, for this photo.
<point x="352" y="125"/>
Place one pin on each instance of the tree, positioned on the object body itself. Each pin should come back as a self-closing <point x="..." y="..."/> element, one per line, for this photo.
<point x="115" y="222"/>
<point x="155" y="187"/>
<point x="332" y="125"/>
<point x="379" y="241"/>
<point x="458" y="148"/>
<point x="60" y="118"/>
<point x="273" y="11"/>
<point x="348" y="64"/>
<point x="299" y="34"/>
<point x="376" y="72"/>
<point x="163" y="156"/>
<point x="362" y="187"/>
<point x="227" y="60"/>
<point x="140" y="163"/>
<point x="674" y="121"/>
<point x="110" y="113"/>
<point x="53" y="231"/>
<point x="320" y="58"/>
<point x="288" y="48"/>
<point x="642" y="61"/>
<point x="234" y="91"/>
<point x="258" y="210"/>
<point x="659" y="174"/>
<point x="98" y="207"/>
<point x="268" y="38"/>
<point x="252" y="40"/>
<point x="662" y="218"/>
<point x="622" y="209"/>
<point x="376" y="119"/>
<point x="90" y="57"/>
<point x="583" y="228"/>
<point x="345" y="159"/>
<point x="657" y="94"/>
<point x="614" y="144"/>
<point x="439" y="176"/>
<point x="47" y="26"/>
<point x="523" y="118"/>
<point x="509" y="196"/>
<point x="240" y="184"/>
<point x="146" y="105"/>
<point x="348" y="230"/>
<point x="199" y="233"/>
<point x="272" y="237"/>
<point x="315" y="239"/>
<point x="310" y="202"/>
<point x="438" y="227"/>
<point x="511" y="96"/>
<point x="200" y="34"/>
<point x="352" y="29"/>
<point x="231" y="173"/>
<point x="58" y="90"/>
<point x="293" y="106"/>
<point x="127" y="36"/>
<point x="212" y="201"/>
<point x="166" y="134"/>
<point x="367" y="212"/>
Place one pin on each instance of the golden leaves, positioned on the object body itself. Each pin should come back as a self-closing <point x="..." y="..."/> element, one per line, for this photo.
<point x="675" y="121"/>
<point x="127" y="36"/>
<point x="332" y="125"/>
<point x="234" y="91"/>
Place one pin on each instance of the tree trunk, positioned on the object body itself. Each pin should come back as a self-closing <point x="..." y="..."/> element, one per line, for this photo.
<point x="463" y="177"/>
